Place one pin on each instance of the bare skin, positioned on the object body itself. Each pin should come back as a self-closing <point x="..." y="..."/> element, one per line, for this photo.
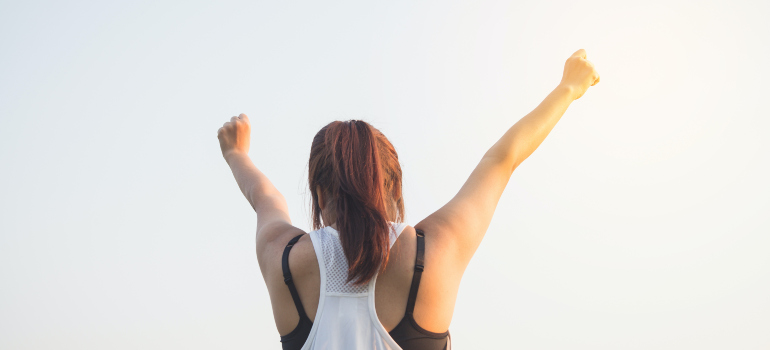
<point x="452" y="233"/>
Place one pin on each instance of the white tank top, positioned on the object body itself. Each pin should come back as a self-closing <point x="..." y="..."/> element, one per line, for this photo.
<point x="346" y="318"/>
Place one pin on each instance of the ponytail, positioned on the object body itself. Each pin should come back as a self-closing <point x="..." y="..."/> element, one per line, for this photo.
<point x="357" y="169"/>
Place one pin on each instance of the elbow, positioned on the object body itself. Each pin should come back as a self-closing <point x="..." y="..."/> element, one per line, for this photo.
<point x="269" y="201"/>
<point x="506" y="160"/>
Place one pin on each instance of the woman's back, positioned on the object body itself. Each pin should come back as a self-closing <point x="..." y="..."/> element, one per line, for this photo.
<point x="391" y="292"/>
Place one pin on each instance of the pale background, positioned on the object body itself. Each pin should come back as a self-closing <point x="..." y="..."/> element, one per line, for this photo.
<point x="641" y="222"/>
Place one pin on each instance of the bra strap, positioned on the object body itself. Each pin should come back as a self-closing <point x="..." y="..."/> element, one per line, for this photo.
<point x="419" y="266"/>
<point x="287" y="277"/>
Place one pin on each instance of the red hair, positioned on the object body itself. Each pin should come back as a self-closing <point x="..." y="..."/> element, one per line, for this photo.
<point x="358" y="172"/>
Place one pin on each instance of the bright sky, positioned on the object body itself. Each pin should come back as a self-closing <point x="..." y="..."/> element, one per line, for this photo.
<point x="640" y="223"/>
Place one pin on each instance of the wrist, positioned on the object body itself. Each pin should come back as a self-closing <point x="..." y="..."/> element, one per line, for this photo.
<point x="233" y="154"/>
<point x="566" y="90"/>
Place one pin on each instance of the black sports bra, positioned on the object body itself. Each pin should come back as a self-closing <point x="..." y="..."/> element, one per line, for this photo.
<point x="407" y="334"/>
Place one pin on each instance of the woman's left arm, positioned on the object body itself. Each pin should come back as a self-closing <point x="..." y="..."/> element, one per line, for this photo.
<point x="269" y="204"/>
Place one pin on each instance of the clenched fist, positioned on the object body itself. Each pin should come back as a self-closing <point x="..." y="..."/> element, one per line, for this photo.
<point x="235" y="135"/>
<point x="579" y="74"/>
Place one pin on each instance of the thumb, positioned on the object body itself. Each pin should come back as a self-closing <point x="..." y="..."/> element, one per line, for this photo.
<point x="579" y="53"/>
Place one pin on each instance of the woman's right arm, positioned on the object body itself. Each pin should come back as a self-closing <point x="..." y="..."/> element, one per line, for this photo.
<point x="463" y="221"/>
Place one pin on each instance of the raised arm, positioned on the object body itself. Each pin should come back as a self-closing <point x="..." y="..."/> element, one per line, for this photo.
<point x="269" y="204"/>
<point x="463" y="221"/>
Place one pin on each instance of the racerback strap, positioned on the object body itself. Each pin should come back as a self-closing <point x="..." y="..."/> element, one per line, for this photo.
<point x="419" y="265"/>
<point x="287" y="277"/>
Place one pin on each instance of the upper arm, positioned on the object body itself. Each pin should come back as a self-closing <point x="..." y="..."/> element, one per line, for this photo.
<point x="272" y="219"/>
<point x="274" y="228"/>
<point x="463" y="221"/>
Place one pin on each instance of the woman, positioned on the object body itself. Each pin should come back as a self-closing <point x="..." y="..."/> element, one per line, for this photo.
<point x="363" y="279"/>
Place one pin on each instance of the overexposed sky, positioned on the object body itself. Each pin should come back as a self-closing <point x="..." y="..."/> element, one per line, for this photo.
<point x="642" y="222"/>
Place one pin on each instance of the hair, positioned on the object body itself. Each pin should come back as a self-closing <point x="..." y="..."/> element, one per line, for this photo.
<point x="358" y="172"/>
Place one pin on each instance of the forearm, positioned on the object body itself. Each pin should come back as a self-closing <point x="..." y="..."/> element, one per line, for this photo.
<point x="528" y="133"/>
<point x="254" y="185"/>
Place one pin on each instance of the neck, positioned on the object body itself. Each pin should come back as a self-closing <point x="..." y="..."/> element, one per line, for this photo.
<point x="329" y="216"/>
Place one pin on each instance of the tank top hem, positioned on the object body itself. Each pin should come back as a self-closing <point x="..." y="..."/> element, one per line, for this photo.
<point x="322" y="297"/>
<point x="373" y="311"/>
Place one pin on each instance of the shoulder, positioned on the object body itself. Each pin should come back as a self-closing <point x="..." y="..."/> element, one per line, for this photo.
<point x="271" y="242"/>
<point x="440" y="233"/>
<point x="442" y="246"/>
